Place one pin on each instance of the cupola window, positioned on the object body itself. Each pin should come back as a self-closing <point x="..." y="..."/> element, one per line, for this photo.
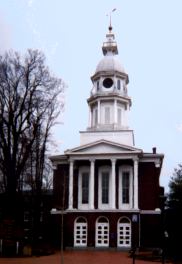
<point x="118" y="84"/>
<point x="97" y="85"/>
<point x="108" y="83"/>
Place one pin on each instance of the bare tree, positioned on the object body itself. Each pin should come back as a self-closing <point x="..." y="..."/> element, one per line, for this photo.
<point x="29" y="106"/>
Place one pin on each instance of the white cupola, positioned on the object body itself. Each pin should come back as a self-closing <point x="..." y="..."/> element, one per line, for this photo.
<point x="109" y="103"/>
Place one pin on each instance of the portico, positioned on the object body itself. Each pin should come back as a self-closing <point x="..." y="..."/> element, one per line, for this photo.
<point x="90" y="177"/>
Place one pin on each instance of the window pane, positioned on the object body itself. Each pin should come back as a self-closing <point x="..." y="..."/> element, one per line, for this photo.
<point x="85" y="187"/>
<point x="125" y="187"/>
<point x="105" y="187"/>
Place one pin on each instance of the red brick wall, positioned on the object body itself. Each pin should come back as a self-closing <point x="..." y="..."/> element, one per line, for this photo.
<point x="149" y="189"/>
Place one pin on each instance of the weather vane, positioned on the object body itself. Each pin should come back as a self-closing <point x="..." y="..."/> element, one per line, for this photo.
<point x="110" y="21"/>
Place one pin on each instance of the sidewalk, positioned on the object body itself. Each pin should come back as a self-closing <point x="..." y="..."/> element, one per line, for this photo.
<point x="80" y="257"/>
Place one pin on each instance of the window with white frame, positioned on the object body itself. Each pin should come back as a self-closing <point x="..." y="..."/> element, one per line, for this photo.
<point x="125" y="187"/>
<point x="124" y="232"/>
<point x="102" y="232"/>
<point x="83" y="188"/>
<point x="80" y="232"/>
<point x="104" y="187"/>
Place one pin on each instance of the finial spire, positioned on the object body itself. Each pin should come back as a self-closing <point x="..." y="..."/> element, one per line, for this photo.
<point x="110" y="45"/>
<point x="110" y="19"/>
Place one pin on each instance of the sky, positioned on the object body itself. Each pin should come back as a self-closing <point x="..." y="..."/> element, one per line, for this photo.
<point x="71" y="33"/>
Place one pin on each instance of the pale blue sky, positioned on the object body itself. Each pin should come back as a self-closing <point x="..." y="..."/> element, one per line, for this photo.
<point x="149" y="37"/>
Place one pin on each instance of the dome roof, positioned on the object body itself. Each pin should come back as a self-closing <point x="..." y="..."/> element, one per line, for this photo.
<point x="109" y="63"/>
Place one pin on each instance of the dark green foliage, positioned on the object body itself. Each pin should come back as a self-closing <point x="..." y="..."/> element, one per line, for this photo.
<point x="174" y="213"/>
<point x="175" y="191"/>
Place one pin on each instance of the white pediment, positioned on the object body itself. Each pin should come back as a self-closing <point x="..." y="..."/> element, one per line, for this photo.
<point x="103" y="147"/>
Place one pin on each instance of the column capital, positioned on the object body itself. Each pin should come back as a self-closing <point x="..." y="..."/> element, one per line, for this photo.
<point x="113" y="160"/>
<point x="92" y="160"/>
<point x="54" y="166"/>
<point x="71" y="160"/>
<point x="136" y="159"/>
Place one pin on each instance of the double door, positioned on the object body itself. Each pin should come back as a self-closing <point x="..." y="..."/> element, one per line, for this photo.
<point x="102" y="235"/>
<point x="124" y="235"/>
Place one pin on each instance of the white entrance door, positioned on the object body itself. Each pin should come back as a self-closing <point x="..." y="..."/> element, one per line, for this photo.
<point x="102" y="234"/>
<point x="80" y="235"/>
<point x="124" y="235"/>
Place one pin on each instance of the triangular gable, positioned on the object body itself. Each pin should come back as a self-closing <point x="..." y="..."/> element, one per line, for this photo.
<point x="103" y="147"/>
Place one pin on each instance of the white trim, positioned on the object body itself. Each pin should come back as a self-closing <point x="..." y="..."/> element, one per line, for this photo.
<point x="101" y="211"/>
<point x="154" y="212"/>
<point x="125" y="168"/>
<point x="127" y="148"/>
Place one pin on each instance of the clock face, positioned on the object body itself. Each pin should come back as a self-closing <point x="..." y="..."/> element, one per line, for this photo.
<point x="108" y="83"/>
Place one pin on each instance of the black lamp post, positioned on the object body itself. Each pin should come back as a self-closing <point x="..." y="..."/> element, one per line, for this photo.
<point x="60" y="212"/>
<point x="134" y="243"/>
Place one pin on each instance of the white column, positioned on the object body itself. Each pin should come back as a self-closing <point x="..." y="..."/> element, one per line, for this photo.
<point x="90" y="117"/>
<point x="115" y="111"/>
<point x="70" y="205"/>
<point x="113" y="184"/>
<point x="91" y="184"/>
<point x="98" y="112"/>
<point x="135" y="184"/>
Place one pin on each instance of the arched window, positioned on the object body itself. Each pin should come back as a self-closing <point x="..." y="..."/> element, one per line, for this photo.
<point x="80" y="232"/>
